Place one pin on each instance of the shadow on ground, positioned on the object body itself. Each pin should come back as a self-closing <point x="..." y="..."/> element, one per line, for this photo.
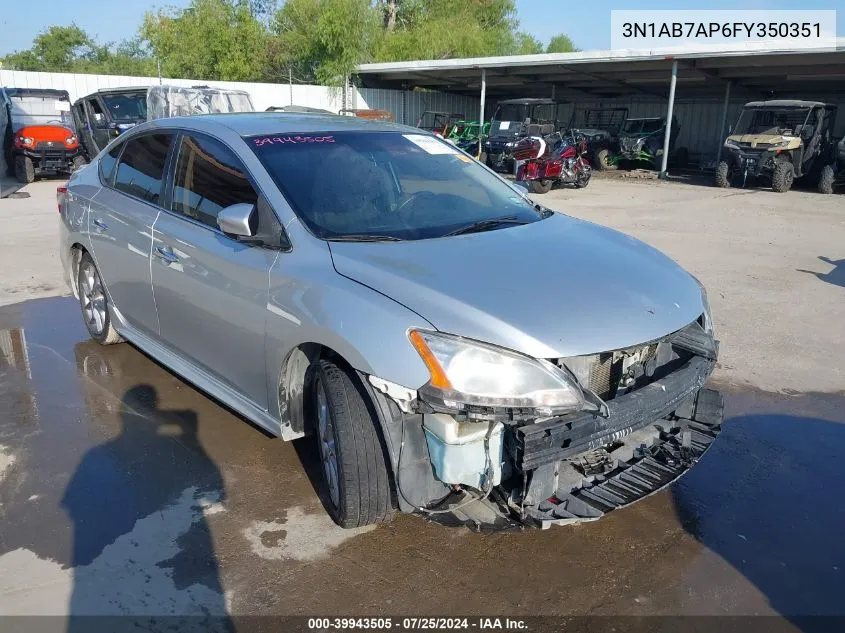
<point x="768" y="500"/>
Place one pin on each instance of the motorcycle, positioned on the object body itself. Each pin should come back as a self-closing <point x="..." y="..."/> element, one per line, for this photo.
<point x="559" y="158"/>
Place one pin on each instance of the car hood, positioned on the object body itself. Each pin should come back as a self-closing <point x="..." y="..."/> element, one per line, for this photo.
<point x="553" y="288"/>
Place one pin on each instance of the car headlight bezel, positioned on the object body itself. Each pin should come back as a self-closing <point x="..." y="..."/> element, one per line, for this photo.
<point x="729" y="144"/>
<point x="469" y="373"/>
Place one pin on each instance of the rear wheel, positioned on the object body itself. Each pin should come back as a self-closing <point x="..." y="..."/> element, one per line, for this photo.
<point x="723" y="175"/>
<point x="540" y="186"/>
<point x="357" y="489"/>
<point x="826" y="178"/>
<point x="783" y="176"/>
<point x="24" y="169"/>
<point x="94" y="303"/>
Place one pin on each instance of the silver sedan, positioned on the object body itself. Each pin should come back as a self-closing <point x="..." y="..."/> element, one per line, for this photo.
<point x="450" y="346"/>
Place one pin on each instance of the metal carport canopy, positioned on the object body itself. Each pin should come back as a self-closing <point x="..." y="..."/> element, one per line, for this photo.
<point x="753" y="71"/>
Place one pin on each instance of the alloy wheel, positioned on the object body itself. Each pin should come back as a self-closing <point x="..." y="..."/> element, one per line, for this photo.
<point x="93" y="299"/>
<point x="328" y="449"/>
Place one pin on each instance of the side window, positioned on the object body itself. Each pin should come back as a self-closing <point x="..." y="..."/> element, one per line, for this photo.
<point x="209" y="177"/>
<point x="108" y="162"/>
<point x="96" y="111"/>
<point x="139" y="172"/>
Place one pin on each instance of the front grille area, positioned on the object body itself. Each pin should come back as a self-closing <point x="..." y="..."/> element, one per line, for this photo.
<point x="612" y="373"/>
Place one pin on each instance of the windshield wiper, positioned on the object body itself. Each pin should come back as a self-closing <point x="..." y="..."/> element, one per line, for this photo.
<point x="364" y="237"/>
<point x="486" y="225"/>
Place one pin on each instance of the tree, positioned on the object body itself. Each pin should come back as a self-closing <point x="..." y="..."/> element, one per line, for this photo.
<point x="70" y="49"/>
<point x="211" y="39"/>
<point x="322" y="40"/>
<point x="561" y="44"/>
<point x="54" y="50"/>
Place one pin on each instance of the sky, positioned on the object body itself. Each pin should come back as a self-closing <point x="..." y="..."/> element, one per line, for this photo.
<point x="588" y="26"/>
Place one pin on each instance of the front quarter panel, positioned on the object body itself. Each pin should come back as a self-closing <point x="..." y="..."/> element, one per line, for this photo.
<point x="309" y="302"/>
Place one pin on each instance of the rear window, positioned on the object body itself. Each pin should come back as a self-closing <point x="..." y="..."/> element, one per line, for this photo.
<point x="141" y="166"/>
<point x="404" y="186"/>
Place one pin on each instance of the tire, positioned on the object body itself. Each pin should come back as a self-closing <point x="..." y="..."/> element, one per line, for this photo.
<point x="24" y="169"/>
<point x="540" y="186"/>
<point x="78" y="163"/>
<point x="357" y="489"/>
<point x="580" y="183"/>
<point x="723" y="175"/>
<point x="603" y="160"/>
<point x="826" y="177"/>
<point x="94" y="303"/>
<point x="783" y="177"/>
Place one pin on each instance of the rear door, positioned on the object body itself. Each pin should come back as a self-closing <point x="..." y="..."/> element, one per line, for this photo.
<point x="211" y="290"/>
<point x="120" y="225"/>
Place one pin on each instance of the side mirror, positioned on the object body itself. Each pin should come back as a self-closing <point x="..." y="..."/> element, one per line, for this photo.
<point x="239" y="220"/>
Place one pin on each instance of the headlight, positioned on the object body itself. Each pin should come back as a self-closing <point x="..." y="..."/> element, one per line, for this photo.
<point x="25" y="140"/>
<point x="466" y="372"/>
<point x="731" y="145"/>
<point x="70" y="140"/>
<point x="779" y="144"/>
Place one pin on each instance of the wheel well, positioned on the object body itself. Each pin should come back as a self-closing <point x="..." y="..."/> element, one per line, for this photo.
<point x="76" y="253"/>
<point x="295" y="382"/>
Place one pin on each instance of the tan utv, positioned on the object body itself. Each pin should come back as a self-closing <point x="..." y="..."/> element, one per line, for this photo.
<point x="780" y="141"/>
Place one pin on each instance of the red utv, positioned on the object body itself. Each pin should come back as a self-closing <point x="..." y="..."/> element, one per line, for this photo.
<point x="40" y="139"/>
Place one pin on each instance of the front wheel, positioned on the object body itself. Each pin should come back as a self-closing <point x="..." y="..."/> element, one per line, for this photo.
<point x="357" y="490"/>
<point x="24" y="169"/>
<point x="782" y="176"/>
<point x="604" y="161"/>
<point x="95" y="303"/>
<point x="723" y="175"/>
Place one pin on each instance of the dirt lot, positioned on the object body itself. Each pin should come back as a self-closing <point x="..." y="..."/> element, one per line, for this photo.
<point x="124" y="490"/>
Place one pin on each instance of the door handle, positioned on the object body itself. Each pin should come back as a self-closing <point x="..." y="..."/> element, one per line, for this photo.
<point x="166" y="254"/>
<point x="100" y="224"/>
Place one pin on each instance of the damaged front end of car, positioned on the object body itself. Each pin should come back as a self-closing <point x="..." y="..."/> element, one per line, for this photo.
<point x="498" y="438"/>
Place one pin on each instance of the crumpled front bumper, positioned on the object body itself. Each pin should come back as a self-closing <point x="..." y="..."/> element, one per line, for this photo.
<point x="658" y="433"/>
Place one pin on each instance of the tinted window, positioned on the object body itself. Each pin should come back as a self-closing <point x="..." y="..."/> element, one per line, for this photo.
<point x="405" y="186"/>
<point x="208" y="178"/>
<point x="107" y="163"/>
<point x="141" y="166"/>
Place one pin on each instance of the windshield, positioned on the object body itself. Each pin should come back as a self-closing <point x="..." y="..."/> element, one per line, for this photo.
<point x="127" y="107"/>
<point x="772" y="122"/>
<point x="642" y="126"/>
<point x="400" y="186"/>
<point x="32" y="110"/>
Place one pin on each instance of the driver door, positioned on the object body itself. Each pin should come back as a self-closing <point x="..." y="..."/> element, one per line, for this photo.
<point x="210" y="289"/>
<point x="99" y="123"/>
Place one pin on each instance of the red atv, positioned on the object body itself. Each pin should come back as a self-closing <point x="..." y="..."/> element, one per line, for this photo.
<point x="555" y="159"/>
<point x="40" y="139"/>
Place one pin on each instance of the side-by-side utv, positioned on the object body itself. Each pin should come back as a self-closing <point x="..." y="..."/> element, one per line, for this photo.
<point x="600" y="127"/>
<point x="779" y="141"/>
<point x="105" y="114"/>
<point x="514" y="120"/>
<point x="40" y="137"/>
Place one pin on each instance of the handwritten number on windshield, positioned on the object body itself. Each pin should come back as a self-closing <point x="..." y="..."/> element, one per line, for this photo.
<point x="291" y="140"/>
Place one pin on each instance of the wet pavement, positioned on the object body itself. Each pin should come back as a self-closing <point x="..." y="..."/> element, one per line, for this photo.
<point x="125" y="490"/>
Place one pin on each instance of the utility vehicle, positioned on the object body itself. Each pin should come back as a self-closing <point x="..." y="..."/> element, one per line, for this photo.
<point x="513" y="120"/>
<point x="600" y="127"/>
<point x="641" y="144"/>
<point x="779" y="141"/>
<point x="39" y="138"/>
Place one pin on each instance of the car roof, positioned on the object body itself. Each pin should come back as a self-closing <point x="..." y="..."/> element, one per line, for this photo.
<point x="258" y="123"/>
<point x="786" y="103"/>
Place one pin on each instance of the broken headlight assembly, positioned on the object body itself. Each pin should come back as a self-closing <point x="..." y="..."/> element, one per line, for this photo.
<point x="465" y="372"/>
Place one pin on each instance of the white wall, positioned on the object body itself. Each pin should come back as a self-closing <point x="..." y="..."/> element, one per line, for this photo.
<point x="406" y="106"/>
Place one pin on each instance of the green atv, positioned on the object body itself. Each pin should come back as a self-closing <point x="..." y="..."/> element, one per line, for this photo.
<point x="464" y="134"/>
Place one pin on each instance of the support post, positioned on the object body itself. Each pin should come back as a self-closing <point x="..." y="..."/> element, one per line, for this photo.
<point x="669" y="113"/>
<point x="290" y="84"/>
<point x="481" y="111"/>
<point x="721" y="139"/>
